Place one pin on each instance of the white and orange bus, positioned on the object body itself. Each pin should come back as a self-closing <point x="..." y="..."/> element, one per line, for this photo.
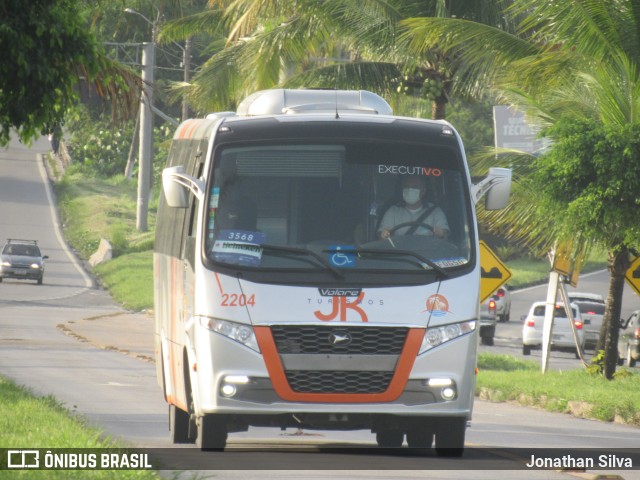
<point x="277" y="300"/>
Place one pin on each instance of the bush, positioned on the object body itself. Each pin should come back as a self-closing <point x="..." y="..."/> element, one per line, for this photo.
<point x="100" y="148"/>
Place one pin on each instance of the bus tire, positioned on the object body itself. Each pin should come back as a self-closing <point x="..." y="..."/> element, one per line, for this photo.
<point x="450" y="437"/>
<point x="178" y="425"/>
<point x="487" y="341"/>
<point x="390" y="438"/>
<point x="212" y="432"/>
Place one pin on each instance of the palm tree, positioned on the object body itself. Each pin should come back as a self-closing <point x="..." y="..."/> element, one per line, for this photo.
<point x="345" y="44"/>
<point x="574" y="67"/>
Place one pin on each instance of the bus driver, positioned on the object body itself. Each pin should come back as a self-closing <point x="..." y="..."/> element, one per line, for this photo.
<point x="414" y="208"/>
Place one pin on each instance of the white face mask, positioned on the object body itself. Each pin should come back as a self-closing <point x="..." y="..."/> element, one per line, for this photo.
<point x="411" y="195"/>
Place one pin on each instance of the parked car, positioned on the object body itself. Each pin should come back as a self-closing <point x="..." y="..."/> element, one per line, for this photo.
<point x="23" y="260"/>
<point x="487" y="321"/>
<point x="629" y="340"/>
<point x="562" y="334"/>
<point x="585" y="297"/>
<point x="592" y="314"/>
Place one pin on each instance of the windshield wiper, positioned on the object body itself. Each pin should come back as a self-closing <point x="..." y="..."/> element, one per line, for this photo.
<point x="424" y="262"/>
<point x="303" y="251"/>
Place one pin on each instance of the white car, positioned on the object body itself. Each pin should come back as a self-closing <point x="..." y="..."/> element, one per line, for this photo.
<point x="592" y="314"/>
<point x="562" y="334"/>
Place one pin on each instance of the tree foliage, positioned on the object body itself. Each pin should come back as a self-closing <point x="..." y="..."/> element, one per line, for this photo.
<point x="42" y="43"/>
<point x="593" y="175"/>
<point x="47" y="50"/>
<point x="352" y="44"/>
<point x="100" y="148"/>
<point x="574" y="68"/>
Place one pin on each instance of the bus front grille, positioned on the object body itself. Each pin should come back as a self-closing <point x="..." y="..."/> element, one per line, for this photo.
<point x="312" y="339"/>
<point x="339" y="359"/>
<point x="310" y="381"/>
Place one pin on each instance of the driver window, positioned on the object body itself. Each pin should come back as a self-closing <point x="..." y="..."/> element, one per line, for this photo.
<point x="415" y="212"/>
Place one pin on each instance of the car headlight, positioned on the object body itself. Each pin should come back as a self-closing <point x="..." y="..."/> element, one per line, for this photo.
<point x="239" y="332"/>
<point x="6" y="264"/>
<point x="435" y="336"/>
<point x="36" y="265"/>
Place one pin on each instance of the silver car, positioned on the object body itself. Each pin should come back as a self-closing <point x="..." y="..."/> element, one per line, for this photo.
<point x="585" y="297"/>
<point x="487" y="321"/>
<point x="592" y="314"/>
<point x="23" y="260"/>
<point x="562" y="335"/>
<point x="629" y="340"/>
<point x="502" y="297"/>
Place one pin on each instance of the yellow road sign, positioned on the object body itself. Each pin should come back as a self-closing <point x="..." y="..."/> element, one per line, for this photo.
<point x="566" y="265"/>
<point x="493" y="273"/>
<point x="633" y="275"/>
<point x="562" y="260"/>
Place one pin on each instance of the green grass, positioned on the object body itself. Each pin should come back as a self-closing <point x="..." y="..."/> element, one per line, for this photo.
<point x="527" y="272"/>
<point x="504" y="378"/>
<point x="94" y="208"/>
<point x="27" y="421"/>
<point x="129" y="279"/>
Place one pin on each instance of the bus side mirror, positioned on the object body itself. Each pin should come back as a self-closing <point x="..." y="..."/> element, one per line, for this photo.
<point x="497" y="187"/>
<point x="177" y="185"/>
<point x="498" y="195"/>
<point x="175" y="193"/>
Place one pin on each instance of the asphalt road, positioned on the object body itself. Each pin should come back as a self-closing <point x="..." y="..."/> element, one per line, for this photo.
<point x="119" y="392"/>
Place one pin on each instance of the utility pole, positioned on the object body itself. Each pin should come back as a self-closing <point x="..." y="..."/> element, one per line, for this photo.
<point x="186" y="63"/>
<point x="147" y="110"/>
<point x="146" y="135"/>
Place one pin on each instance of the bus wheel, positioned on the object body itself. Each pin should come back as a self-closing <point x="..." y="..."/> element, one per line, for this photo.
<point x="450" y="437"/>
<point x="390" y="438"/>
<point x="178" y="425"/>
<point x="419" y="438"/>
<point x="212" y="433"/>
<point x="487" y="341"/>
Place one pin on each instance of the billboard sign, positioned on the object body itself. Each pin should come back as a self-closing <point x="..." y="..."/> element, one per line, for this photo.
<point x="512" y="131"/>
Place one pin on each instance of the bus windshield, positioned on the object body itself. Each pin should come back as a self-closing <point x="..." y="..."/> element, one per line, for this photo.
<point x="355" y="205"/>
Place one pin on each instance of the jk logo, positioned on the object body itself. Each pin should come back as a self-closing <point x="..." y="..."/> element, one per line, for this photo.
<point x="340" y="306"/>
<point x="23" y="459"/>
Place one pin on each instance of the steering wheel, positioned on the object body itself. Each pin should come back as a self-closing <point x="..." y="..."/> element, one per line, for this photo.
<point x="409" y="224"/>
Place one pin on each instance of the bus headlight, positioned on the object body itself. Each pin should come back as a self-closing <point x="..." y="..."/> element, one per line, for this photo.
<point x="239" y="332"/>
<point x="435" y="336"/>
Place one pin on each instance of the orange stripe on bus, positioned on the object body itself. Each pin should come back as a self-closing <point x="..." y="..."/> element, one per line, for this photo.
<point x="282" y="388"/>
<point x="192" y="128"/>
<point x="218" y="282"/>
<point x="181" y="132"/>
<point x="187" y="128"/>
